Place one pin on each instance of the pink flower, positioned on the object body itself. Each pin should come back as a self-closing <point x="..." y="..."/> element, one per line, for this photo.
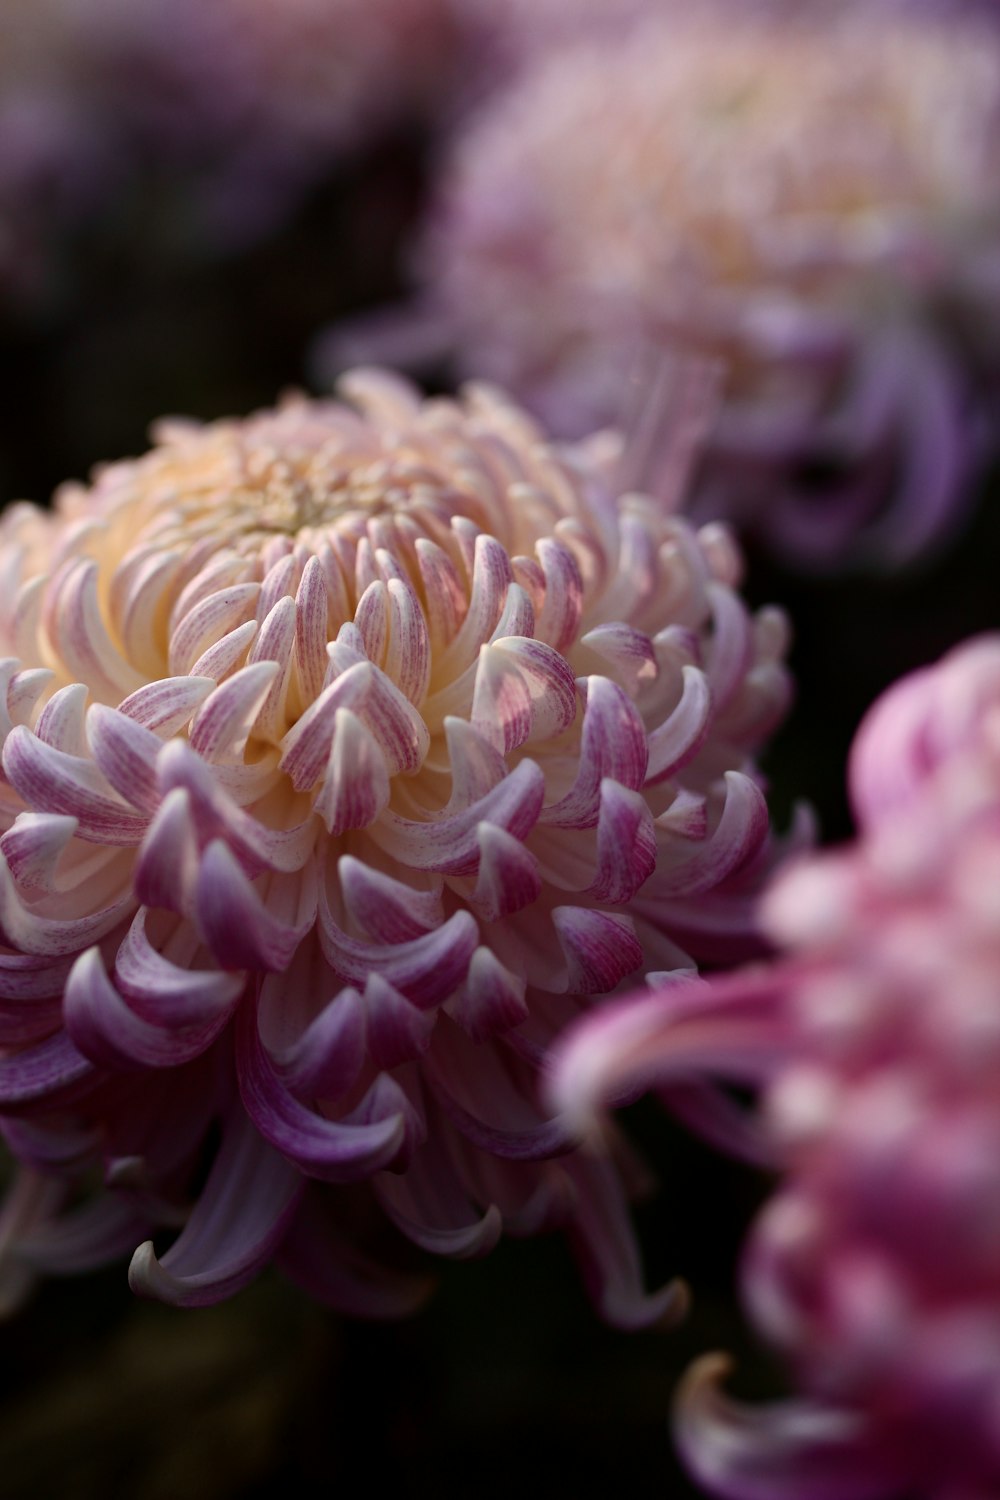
<point x="812" y="202"/>
<point x="348" y="752"/>
<point x="875" y="1268"/>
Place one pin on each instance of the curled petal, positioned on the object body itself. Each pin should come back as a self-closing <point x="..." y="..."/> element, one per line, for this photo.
<point x="425" y="969"/>
<point x="78" y="633"/>
<point x="311" y="630"/>
<point x="740" y="831"/>
<point x="34" y="846"/>
<point x="52" y="781"/>
<point x="388" y="911"/>
<point x="560" y="613"/>
<point x="215" y="814"/>
<point x="24" y="690"/>
<point x="225" y="655"/>
<point x="398" y="1031"/>
<point x="62" y="722"/>
<point x="549" y="681"/>
<point x="491" y="1001"/>
<point x="234" y="1228"/>
<point x="491" y="577"/>
<point x="207" y="621"/>
<point x="728" y="655"/>
<point x="600" y="948"/>
<point x="501" y="702"/>
<point x="679" y="738"/>
<point x="408" y="659"/>
<point x="341" y="1150"/>
<point x="105" y="1028"/>
<point x="476" y="767"/>
<point x="443" y="592"/>
<point x="166" y="871"/>
<point x="372" y="616"/>
<point x="166" y="993"/>
<point x="508" y="879"/>
<point x="603" y="1240"/>
<point x="125" y="752"/>
<point x="626" y="844"/>
<point x="428" y="1204"/>
<point x="613" y="744"/>
<point x="738" y="1029"/>
<point x="399" y="731"/>
<point x="306" y="747"/>
<point x="451" y="844"/>
<point x="54" y="1073"/>
<point x="517" y="616"/>
<point x="274" y="643"/>
<point x="243" y="930"/>
<point x="327" y="1058"/>
<point x="220" y="728"/>
<point x="356" y="786"/>
<point x="627" y="651"/>
<point x="168" y="705"/>
<point x="782" y="1452"/>
<point x="54" y="937"/>
<point x="19" y="692"/>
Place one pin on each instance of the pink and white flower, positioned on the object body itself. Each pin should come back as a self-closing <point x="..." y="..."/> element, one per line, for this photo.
<point x="875" y="1268"/>
<point x="349" y="751"/>
<point x="811" y="200"/>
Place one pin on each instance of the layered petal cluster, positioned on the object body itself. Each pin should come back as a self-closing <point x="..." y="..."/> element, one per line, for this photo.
<point x="875" y="1268"/>
<point x="808" y="198"/>
<point x="348" y="752"/>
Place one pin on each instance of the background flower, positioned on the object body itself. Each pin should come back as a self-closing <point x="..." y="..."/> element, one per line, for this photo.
<point x="874" y="1266"/>
<point x="199" y="125"/>
<point x="810" y="200"/>
<point x="349" y="751"/>
<point x="250" y="103"/>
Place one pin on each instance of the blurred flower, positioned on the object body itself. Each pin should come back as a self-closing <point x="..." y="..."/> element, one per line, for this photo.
<point x="228" y="110"/>
<point x="813" y="201"/>
<point x="349" y="750"/>
<point x="253" y="101"/>
<point x="875" y="1266"/>
<point x="55" y="162"/>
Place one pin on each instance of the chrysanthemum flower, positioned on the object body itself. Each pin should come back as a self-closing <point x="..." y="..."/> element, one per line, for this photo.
<point x="876" y="1266"/>
<point x="348" y="752"/>
<point x="811" y="199"/>
<point x="230" y="108"/>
